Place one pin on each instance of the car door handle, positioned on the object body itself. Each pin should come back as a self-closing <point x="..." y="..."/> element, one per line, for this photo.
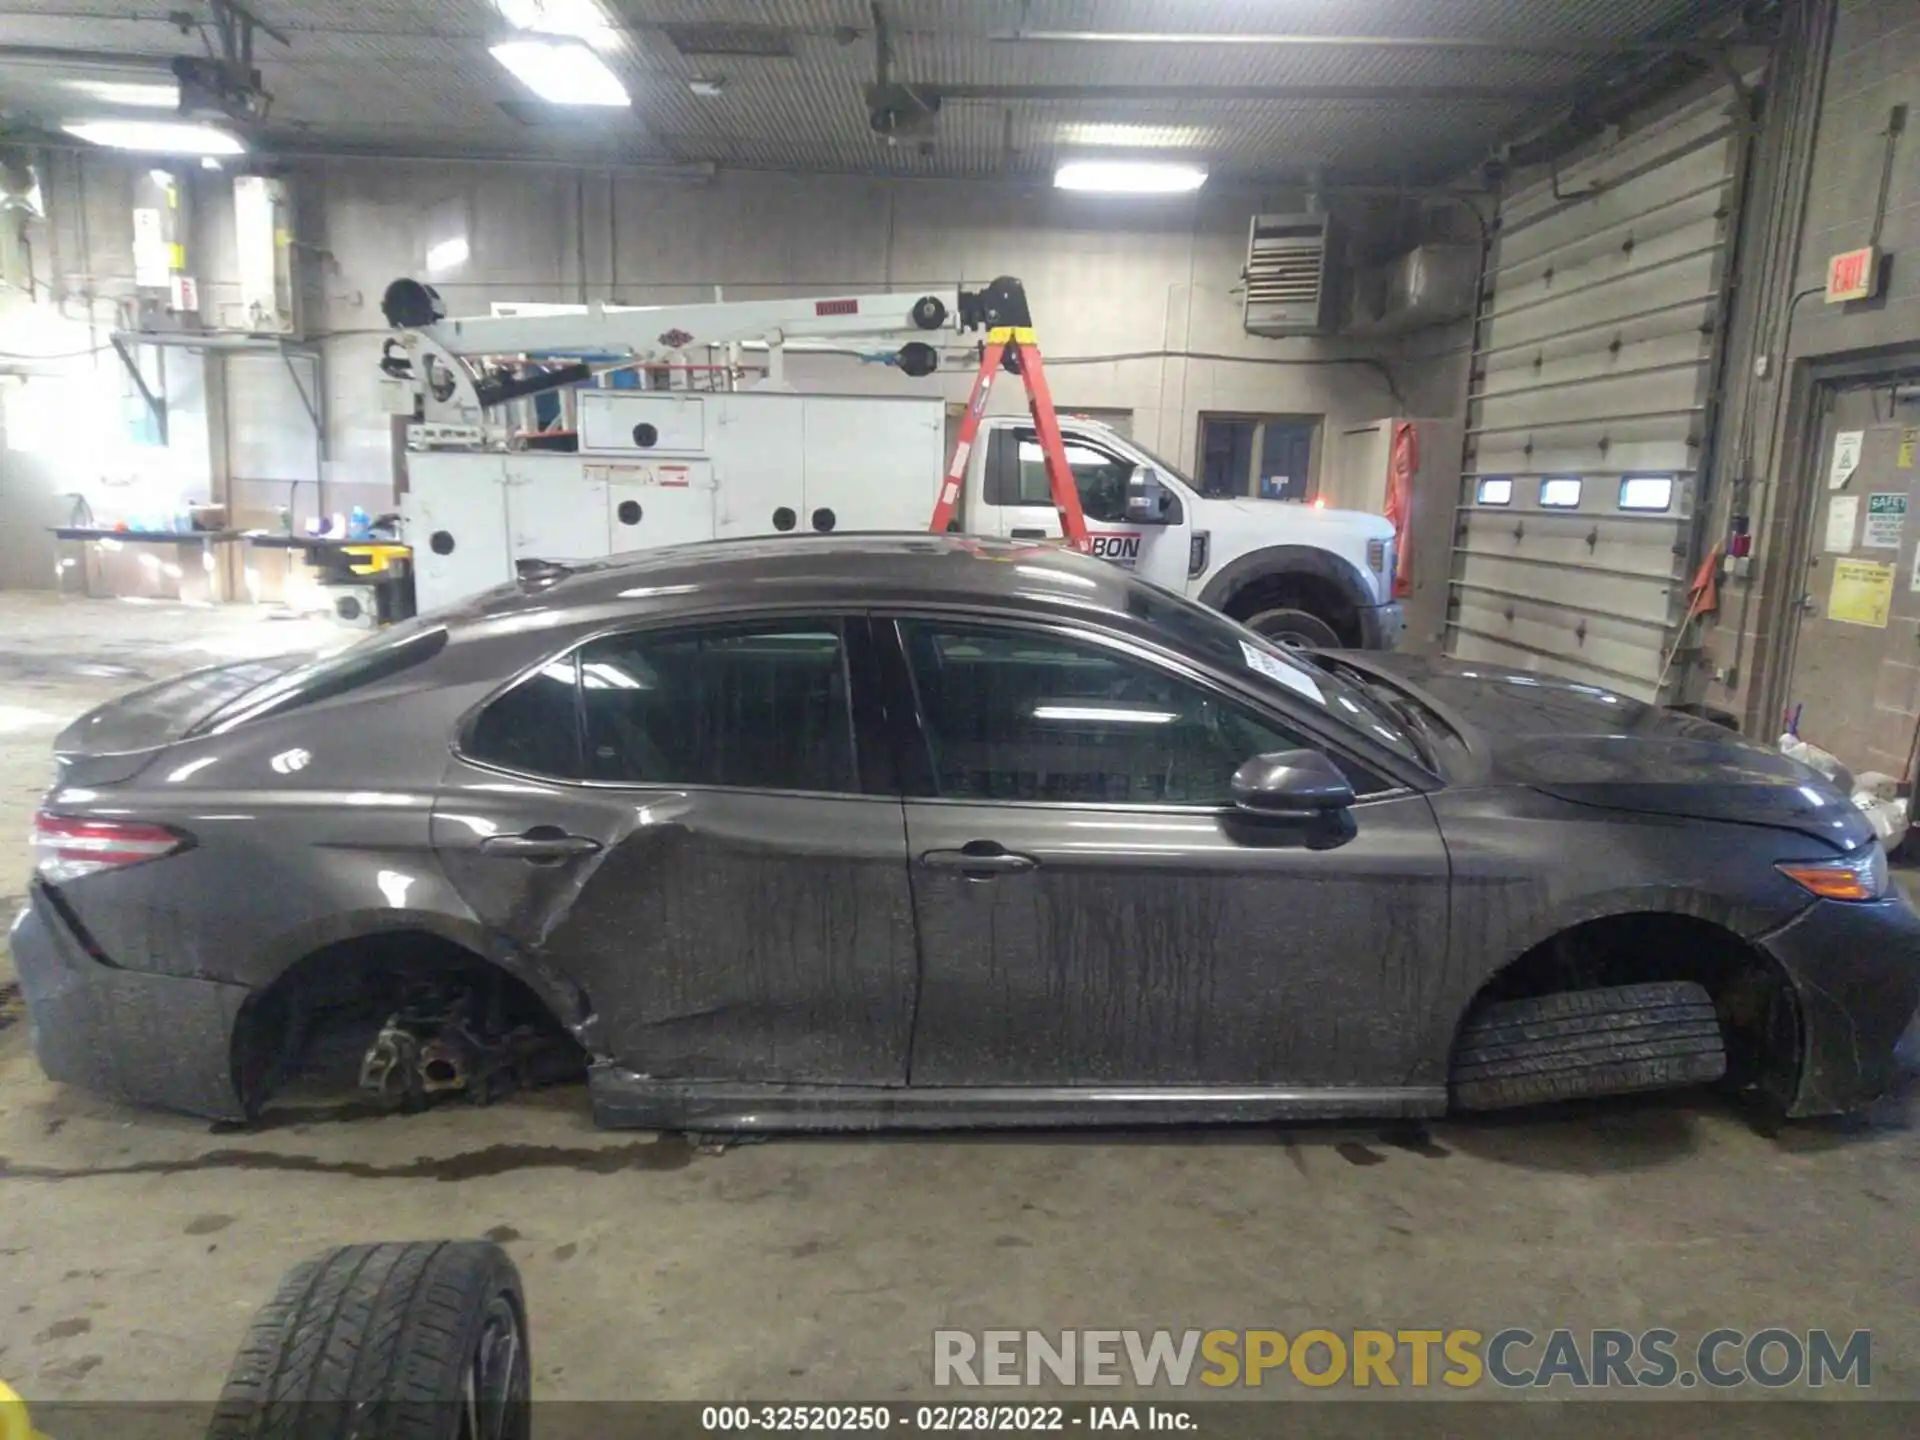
<point x="981" y="864"/>
<point x="1021" y="533"/>
<point x="540" y="844"/>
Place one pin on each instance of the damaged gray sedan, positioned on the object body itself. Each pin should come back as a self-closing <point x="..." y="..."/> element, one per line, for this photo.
<point x="853" y="831"/>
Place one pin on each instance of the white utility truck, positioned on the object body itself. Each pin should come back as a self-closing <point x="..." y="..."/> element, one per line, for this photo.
<point x="662" y="467"/>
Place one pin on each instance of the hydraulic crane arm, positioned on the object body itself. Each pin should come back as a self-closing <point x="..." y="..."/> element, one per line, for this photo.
<point x="444" y="357"/>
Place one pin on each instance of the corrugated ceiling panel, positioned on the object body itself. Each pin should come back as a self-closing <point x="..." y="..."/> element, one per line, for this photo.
<point x="414" y="74"/>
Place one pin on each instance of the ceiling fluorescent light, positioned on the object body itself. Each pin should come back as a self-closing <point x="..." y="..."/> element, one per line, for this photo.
<point x="162" y="95"/>
<point x="158" y="137"/>
<point x="562" y="72"/>
<point x="1129" y="177"/>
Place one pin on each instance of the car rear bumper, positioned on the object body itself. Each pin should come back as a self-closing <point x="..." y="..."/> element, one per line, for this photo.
<point x="164" y="1040"/>
<point x="1855" y="971"/>
<point x="1381" y="626"/>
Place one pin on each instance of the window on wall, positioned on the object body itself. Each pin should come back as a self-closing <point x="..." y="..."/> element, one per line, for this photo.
<point x="1014" y="715"/>
<point x="1267" y="456"/>
<point x="1495" y="490"/>
<point x="1560" y="492"/>
<point x="1652" y="493"/>
<point x="755" y="706"/>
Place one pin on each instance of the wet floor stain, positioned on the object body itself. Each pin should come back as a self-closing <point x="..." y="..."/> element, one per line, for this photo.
<point x="1354" y="1153"/>
<point x="73" y="1369"/>
<point x="12" y="1007"/>
<point x="503" y="1235"/>
<point x="669" y="1152"/>
<point x="566" y="1251"/>
<point x="64" y="1330"/>
<point x="208" y="1224"/>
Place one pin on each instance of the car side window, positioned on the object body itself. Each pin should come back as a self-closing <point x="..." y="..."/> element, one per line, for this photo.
<point x="1024" y="715"/>
<point x="534" y="727"/>
<point x="762" y="706"/>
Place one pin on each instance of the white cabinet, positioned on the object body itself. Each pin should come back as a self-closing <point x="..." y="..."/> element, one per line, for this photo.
<point x="617" y="422"/>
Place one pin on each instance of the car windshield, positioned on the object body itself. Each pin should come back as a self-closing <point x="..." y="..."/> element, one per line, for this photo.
<point x="1231" y="646"/>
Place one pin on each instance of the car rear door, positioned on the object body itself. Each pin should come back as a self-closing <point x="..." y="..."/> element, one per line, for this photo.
<point x="682" y="821"/>
<point x="1092" y="910"/>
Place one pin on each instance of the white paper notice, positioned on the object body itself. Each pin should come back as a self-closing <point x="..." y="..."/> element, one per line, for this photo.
<point x="1843" y="514"/>
<point x="1294" y="677"/>
<point x="1846" y="457"/>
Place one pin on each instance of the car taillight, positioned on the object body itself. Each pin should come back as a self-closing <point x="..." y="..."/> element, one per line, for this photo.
<point x="66" y="849"/>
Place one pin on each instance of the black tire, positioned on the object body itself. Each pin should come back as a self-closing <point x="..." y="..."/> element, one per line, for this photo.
<point x="1582" y="1043"/>
<point x="420" y="1341"/>
<point x="1294" y="627"/>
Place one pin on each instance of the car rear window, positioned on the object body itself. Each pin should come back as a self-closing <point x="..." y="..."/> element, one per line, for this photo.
<point x="378" y="658"/>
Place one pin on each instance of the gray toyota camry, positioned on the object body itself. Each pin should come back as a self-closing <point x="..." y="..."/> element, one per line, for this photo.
<point x="852" y="831"/>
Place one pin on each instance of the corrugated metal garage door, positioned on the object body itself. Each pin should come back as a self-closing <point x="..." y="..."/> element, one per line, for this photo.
<point x="1595" y="359"/>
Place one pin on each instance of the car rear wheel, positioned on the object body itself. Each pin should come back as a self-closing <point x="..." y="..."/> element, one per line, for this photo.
<point x="421" y="1341"/>
<point x="1294" y="627"/>
<point x="1582" y="1043"/>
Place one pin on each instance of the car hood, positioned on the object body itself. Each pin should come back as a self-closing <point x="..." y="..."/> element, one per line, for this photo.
<point x="1592" y="746"/>
<point x="1300" y="519"/>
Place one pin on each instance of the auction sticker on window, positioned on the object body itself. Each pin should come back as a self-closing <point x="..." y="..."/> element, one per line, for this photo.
<point x="1289" y="675"/>
<point x="1886" y="522"/>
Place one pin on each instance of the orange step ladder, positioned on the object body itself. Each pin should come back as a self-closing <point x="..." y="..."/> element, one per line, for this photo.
<point x="1016" y="345"/>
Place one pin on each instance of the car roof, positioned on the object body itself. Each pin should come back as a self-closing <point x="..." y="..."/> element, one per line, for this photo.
<point x="833" y="569"/>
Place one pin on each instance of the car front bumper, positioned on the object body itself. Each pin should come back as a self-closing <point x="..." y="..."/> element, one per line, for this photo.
<point x="1381" y="626"/>
<point x="1855" y="971"/>
<point x="164" y="1040"/>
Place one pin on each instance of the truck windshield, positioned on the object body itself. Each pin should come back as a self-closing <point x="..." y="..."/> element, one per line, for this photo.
<point x="1232" y="647"/>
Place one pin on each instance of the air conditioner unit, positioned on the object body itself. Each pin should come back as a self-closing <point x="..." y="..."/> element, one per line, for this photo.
<point x="1289" y="277"/>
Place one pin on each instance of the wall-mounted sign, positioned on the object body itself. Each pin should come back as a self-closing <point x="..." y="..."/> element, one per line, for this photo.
<point x="1886" y="522"/>
<point x="1843" y="518"/>
<point x="1846" y="457"/>
<point x="1852" y="275"/>
<point x="1862" y="593"/>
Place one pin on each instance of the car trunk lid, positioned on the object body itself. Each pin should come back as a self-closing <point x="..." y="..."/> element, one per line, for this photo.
<point x="114" y="741"/>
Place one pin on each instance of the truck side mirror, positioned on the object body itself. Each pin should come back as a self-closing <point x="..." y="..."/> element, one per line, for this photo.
<point x="1146" y="497"/>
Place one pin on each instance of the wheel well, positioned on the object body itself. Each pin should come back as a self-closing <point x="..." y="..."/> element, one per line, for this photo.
<point x="1299" y="590"/>
<point x="1751" y="995"/>
<point x="317" y="1020"/>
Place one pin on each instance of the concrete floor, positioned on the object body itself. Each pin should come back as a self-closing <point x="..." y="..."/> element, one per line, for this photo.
<point x="134" y="1246"/>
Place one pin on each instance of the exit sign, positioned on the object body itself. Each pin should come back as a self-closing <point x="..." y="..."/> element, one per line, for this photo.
<point x="1851" y="275"/>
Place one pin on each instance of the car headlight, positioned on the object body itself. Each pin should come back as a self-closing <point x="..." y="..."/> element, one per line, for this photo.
<point x="1859" y="876"/>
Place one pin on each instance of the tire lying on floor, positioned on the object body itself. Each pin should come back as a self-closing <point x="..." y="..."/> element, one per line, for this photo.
<point x="419" y="1341"/>
<point x="1581" y="1043"/>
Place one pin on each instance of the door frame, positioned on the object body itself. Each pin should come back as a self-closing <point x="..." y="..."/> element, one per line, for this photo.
<point x="1792" y="527"/>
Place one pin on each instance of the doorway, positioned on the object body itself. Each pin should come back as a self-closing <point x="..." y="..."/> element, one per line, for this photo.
<point x="1267" y="457"/>
<point x="1853" y="677"/>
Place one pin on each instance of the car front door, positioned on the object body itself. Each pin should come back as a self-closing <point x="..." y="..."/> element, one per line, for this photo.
<point x="1018" y="498"/>
<point x="683" y="823"/>
<point x="1093" y="910"/>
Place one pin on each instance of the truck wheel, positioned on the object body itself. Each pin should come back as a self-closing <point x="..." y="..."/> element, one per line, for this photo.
<point x="421" y="1341"/>
<point x="1294" y="627"/>
<point x="1581" y="1043"/>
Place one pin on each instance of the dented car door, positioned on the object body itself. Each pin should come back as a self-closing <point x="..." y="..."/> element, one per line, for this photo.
<point x="682" y="823"/>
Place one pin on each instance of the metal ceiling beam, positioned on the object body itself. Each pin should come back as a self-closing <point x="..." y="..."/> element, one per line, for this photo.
<point x="1357" y="94"/>
<point x="1337" y="42"/>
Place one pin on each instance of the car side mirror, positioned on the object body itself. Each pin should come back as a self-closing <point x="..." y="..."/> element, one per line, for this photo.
<point x="1291" y="785"/>
<point x="1147" y="497"/>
